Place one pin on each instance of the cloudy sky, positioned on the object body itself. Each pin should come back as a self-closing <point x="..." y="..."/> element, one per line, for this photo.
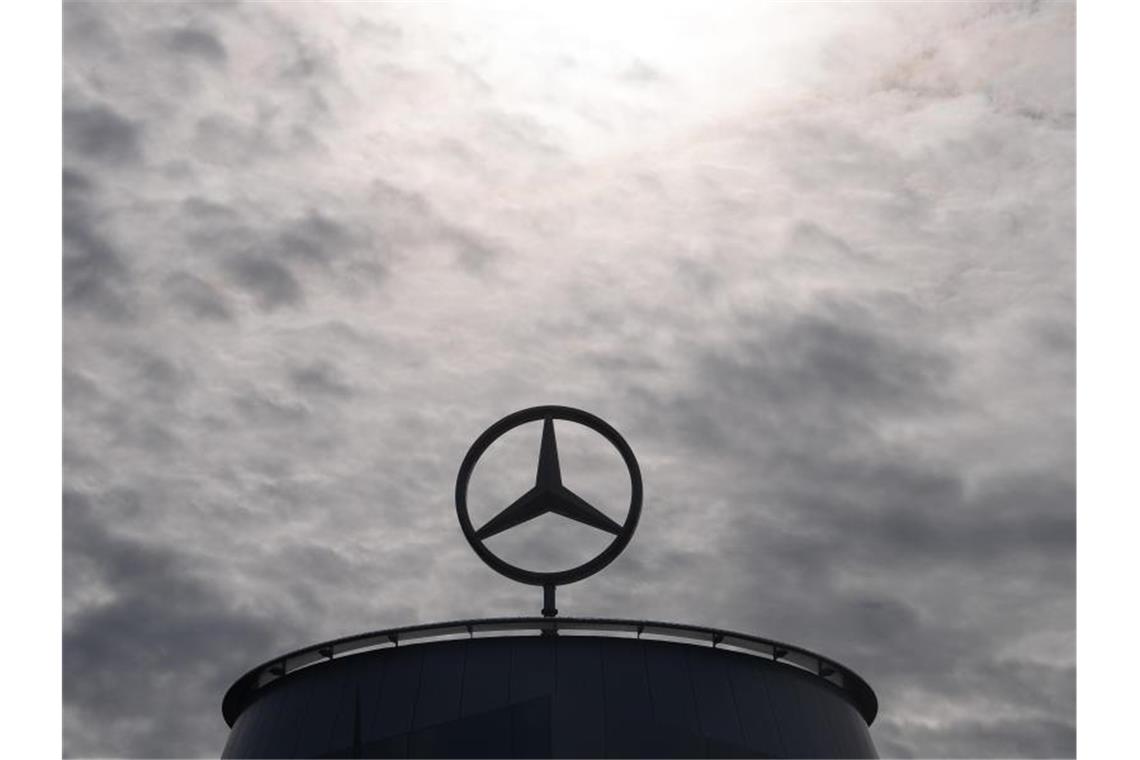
<point x="815" y="262"/>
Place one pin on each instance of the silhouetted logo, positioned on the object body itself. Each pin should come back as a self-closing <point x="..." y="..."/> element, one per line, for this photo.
<point x="549" y="494"/>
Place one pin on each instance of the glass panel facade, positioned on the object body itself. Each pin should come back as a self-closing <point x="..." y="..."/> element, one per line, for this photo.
<point x="550" y="697"/>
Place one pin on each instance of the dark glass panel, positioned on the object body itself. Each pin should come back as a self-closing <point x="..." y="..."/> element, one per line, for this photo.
<point x="839" y="714"/>
<point x="401" y="685"/>
<point x="717" y="748"/>
<point x="441" y="683"/>
<point x="671" y="690"/>
<point x="530" y="728"/>
<point x="487" y="675"/>
<point x="326" y="696"/>
<point x="369" y="677"/>
<point x="283" y="738"/>
<point x="269" y="706"/>
<point x="485" y="735"/>
<point x="391" y="746"/>
<point x="813" y="702"/>
<point x="713" y="691"/>
<point x="748" y="676"/>
<point x="577" y="716"/>
<point x="349" y="714"/>
<point x="348" y="728"/>
<point x="629" y="714"/>
<point x="532" y="668"/>
<point x="662" y="740"/>
<point x="797" y="724"/>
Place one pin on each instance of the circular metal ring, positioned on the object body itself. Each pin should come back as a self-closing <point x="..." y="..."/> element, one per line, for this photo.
<point x="508" y="423"/>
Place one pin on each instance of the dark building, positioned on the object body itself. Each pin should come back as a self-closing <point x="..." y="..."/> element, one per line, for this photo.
<point x="550" y="687"/>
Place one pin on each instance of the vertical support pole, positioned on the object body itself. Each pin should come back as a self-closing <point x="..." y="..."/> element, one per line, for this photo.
<point x="548" y="608"/>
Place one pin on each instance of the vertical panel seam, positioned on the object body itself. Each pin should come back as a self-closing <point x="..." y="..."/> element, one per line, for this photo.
<point x="463" y="676"/>
<point x="776" y="729"/>
<point x="693" y="690"/>
<point x="415" y="703"/>
<point x="735" y="703"/>
<point x="342" y="678"/>
<point x="648" y="684"/>
<point x="382" y="682"/>
<point x="305" y="700"/>
<point x="602" y="667"/>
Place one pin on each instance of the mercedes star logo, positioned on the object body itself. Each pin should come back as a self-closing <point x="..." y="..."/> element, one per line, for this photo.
<point x="549" y="494"/>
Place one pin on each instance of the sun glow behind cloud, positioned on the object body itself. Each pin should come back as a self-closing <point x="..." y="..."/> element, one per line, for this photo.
<point x="611" y="77"/>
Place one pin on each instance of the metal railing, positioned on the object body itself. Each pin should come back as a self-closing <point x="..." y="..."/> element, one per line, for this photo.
<point x="842" y="678"/>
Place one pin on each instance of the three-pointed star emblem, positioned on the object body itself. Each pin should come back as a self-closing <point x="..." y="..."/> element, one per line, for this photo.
<point x="548" y="495"/>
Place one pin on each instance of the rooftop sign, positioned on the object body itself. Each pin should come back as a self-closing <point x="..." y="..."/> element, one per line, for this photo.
<point x="549" y="494"/>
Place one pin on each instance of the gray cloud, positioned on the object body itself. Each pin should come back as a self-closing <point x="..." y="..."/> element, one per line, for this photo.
<point x="824" y="287"/>
<point x="321" y="379"/>
<point x="1009" y="738"/>
<point x="262" y="408"/>
<point x="271" y="283"/>
<point x="194" y="42"/>
<point x="99" y="133"/>
<point x="316" y="239"/>
<point x="810" y="379"/>
<point x="228" y="141"/>
<point x="410" y="221"/>
<point x="96" y="276"/>
<point x="161" y="613"/>
<point x="197" y="297"/>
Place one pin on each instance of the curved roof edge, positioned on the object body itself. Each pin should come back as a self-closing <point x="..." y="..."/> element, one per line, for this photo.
<point x="242" y="692"/>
